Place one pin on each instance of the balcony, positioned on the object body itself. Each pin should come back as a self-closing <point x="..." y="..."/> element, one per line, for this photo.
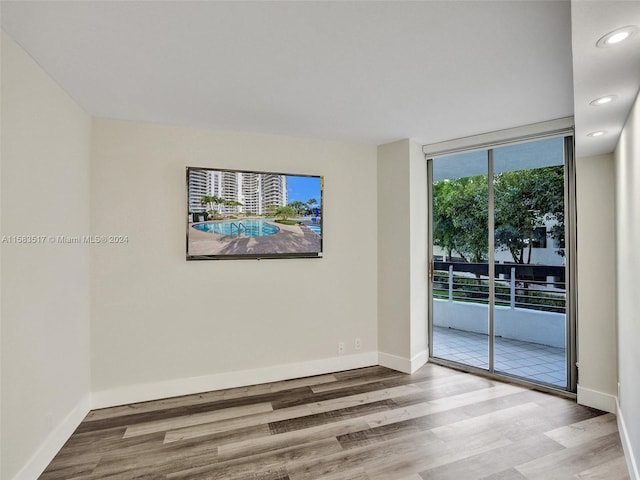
<point x="529" y="319"/>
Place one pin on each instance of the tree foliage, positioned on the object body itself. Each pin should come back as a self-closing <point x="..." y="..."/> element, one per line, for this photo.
<point x="461" y="217"/>
<point x="213" y="203"/>
<point x="299" y="207"/>
<point x="210" y="201"/>
<point x="285" y="212"/>
<point x="303" y="208"/>
<point x="310" y="205"/>
<point x="523" y="200"/>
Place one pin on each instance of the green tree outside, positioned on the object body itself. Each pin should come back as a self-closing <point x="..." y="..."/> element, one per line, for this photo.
<point x="524" y="199"/>
<point x="460" y="217"/>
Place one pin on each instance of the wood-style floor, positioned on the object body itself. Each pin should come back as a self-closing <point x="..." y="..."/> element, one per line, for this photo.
<point x="372" y="423"/>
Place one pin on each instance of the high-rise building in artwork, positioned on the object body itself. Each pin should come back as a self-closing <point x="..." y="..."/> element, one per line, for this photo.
<point x="230" y="191"/>
<point x="258" y="193"/>
<point x="251" y="193"/>
<point x="199" y="186"/>
<point x="274" y="191"/>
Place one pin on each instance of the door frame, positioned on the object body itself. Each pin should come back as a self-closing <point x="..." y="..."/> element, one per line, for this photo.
<point x="489" y="142"/>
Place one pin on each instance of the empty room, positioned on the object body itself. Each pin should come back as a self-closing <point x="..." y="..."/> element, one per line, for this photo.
<point x="337" y="240"/>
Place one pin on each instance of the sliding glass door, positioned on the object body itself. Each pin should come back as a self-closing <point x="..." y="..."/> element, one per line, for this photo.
<point x="499" y="277"/>
<point x="460" y="287"/>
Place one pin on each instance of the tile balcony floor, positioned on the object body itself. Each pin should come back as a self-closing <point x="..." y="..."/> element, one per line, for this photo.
<point x="531" y="361"/>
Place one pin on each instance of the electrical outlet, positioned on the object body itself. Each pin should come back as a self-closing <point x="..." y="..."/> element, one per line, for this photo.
<point x="341" y="348"/>
<point x="358" y="344"/>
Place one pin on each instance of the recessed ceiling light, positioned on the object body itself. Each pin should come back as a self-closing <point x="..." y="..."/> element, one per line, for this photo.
<point x="599" y="133"/>
<point x="603" y="100"/>
<point x="617" y="36"/>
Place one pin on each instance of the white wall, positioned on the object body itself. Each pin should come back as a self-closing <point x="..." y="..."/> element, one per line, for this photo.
<point x="163" y="326"/>
<point x="528" y="325"/>
<point x="45" y="287"/>
<point x="394" y="282"/>
<point x="418" y="204"/>
<point x="627" y="160"/>
<point x="402" y="261"/>
<point x="595" y="198"/>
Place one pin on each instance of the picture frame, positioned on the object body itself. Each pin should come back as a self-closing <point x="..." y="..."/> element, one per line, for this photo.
<point x="244" y="214"/>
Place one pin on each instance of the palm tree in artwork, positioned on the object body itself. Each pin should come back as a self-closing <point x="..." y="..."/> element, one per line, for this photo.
<point x="311" y="202"/>
<point x="212" y="204"/>
<point x="207" y="201"/>
<point x="231" y="203"/>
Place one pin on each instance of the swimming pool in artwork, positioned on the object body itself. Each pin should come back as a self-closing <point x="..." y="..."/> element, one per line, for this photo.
<point x="244" y="228"/>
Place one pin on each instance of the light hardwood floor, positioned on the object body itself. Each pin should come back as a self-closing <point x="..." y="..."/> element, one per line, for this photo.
<point x="372" y="423"/>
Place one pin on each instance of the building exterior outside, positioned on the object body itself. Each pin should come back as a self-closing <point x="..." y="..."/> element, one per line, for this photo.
<point x="545" y="249"/>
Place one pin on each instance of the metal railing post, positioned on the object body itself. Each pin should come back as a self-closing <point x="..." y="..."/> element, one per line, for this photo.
<point x="512" y="290"/>
<point x="451" y="283"/>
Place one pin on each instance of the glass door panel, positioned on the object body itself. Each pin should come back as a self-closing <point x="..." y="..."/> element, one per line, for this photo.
<point x="530" y="280"/>
<point x="460" y="281"/>
<point x="499" y="286"/>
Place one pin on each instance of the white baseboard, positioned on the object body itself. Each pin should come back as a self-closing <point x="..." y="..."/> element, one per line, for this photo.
<point x="595" y="399"/>
<point x="394" y="362"/>
<point x="403" y="364"/>
<point x="186" y="386"/>
<point x="419" y="360"/>
<point x="54" y="442"/>
<point x="632" y="462"/>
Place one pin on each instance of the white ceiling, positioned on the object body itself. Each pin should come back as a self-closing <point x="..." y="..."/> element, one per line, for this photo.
<point x="369" y="72"/>
<point x="603" y="71"/>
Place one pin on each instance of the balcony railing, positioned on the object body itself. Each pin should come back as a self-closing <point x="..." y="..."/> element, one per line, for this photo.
<point x="535" y="287"/>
